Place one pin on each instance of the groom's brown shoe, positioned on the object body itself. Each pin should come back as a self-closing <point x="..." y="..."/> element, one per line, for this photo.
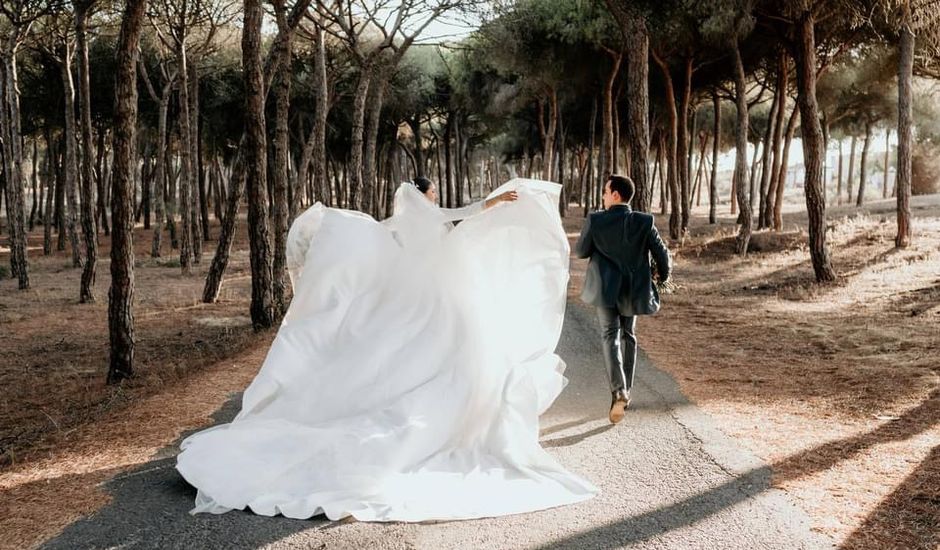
<point x="619" y="402"/>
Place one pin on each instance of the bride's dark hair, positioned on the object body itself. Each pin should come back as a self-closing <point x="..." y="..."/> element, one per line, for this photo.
<point x="423" y="184"/>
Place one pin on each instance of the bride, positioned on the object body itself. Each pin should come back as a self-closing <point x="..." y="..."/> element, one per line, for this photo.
<point x="407" y="378"/>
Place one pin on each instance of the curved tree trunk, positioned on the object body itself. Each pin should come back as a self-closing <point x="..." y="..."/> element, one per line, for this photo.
<point x="812" y="148"/>
<point x="88" y="156"/>
<point x="740" y="154"/>
<point x="672" y="163"/>
<point x="121" y="296"/>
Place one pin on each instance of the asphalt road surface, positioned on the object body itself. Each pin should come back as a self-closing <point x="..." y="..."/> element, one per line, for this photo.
<point x="668" y="479"/>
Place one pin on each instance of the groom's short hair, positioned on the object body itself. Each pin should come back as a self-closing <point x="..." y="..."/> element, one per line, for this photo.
<point x="623" y="185"/>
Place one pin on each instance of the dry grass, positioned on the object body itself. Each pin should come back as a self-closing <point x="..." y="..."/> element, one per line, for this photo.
<point x="62" y="430"/>
<point x="837" y="386"/>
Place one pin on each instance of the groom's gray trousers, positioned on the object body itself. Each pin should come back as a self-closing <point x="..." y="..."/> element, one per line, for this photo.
<point x="619" y="340"/>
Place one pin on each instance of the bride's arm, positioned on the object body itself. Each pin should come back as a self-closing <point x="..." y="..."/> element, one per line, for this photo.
<point x="454" y="214"/>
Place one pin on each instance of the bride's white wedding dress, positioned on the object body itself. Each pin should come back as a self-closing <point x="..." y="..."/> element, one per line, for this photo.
<point x="407" y="378"/>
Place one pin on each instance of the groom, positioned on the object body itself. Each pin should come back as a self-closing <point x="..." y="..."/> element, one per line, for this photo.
<point x="619" y="281"/>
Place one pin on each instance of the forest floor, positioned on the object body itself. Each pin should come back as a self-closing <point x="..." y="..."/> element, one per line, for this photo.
<point x="836" y="386"/>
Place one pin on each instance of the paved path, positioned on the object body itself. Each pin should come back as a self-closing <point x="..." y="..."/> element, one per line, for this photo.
<point x="668" y="478"/>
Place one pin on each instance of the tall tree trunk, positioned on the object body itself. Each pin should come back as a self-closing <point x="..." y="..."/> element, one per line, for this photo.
<point x="101" y="210"/>
<point x="262" y="298"/>
<point x="887" y="164"/>
<point x="905" y="127"/>
<point x="636" y="43"/>
<point x="839" y="175"/>
<point x="851" y="179"/>
<point x="781" y="184"/>
<point x="88" y="155"/>
<point x="48" y="219"/>
<point x="812" y="147"/>
<point x="159" y="180"/>
<point x="186" y="168"/>
<point x="740" y="154"/>
<point x="682" y="145"/>
<point x="321" y="182"/>
<point x="863" y="169"/>
<point x="121" y="296"/>
<point x="357" y="137"/>
<point x="279" y="207"/>
<point x="609" y="153"/>
<point x="370" y="148"/>
<point x="716" y="148"/>
<point x="60" y="214"/>
<point x="783" y="82"/>
<point x="415" y="124"/>
<point x="589" y="184"/>
<point x="71" y="159"/>
<point x="448" y="161"/>
<point x="699" y="171"/>
<point x="671" y="152"/>
<point x="199" y="164"/>
<point x="767" y="169"/>
<point x="34" y="183"/>
<point x="13" y="168"/>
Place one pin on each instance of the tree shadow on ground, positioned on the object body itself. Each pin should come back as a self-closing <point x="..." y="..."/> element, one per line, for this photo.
<point x="150" y="505"/>
<point x="907" y="518"/>
<point x="576" y="438"/>
<point x="897" y="508"/>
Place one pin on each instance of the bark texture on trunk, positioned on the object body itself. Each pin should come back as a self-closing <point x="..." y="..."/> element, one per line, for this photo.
<point x="357" y="139"/>
<point x="781" y="184"/>
<point x="683" y="145"/>
<point x="121" y="295"/>
<point x="905" y="128"/>
<point x="716" y="148"/>
<point x="88" y="155"/>
<point x="740" y="154"/>
<point x="863" y="168"/>
<point x="186" y="170"/>
<point x="672" y="162"/>
<point x="812" y="147"/>
<point x="262" y="293"/>
<point x="279" y="208"/>
<point x="71" y="155"/>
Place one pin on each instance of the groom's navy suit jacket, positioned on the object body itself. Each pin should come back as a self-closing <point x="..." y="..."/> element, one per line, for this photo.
<point x="620" y="242"/>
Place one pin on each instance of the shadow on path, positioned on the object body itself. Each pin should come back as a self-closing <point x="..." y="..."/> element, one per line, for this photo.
<point x="150" y="509"/>
<point x="914" y="501"/>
